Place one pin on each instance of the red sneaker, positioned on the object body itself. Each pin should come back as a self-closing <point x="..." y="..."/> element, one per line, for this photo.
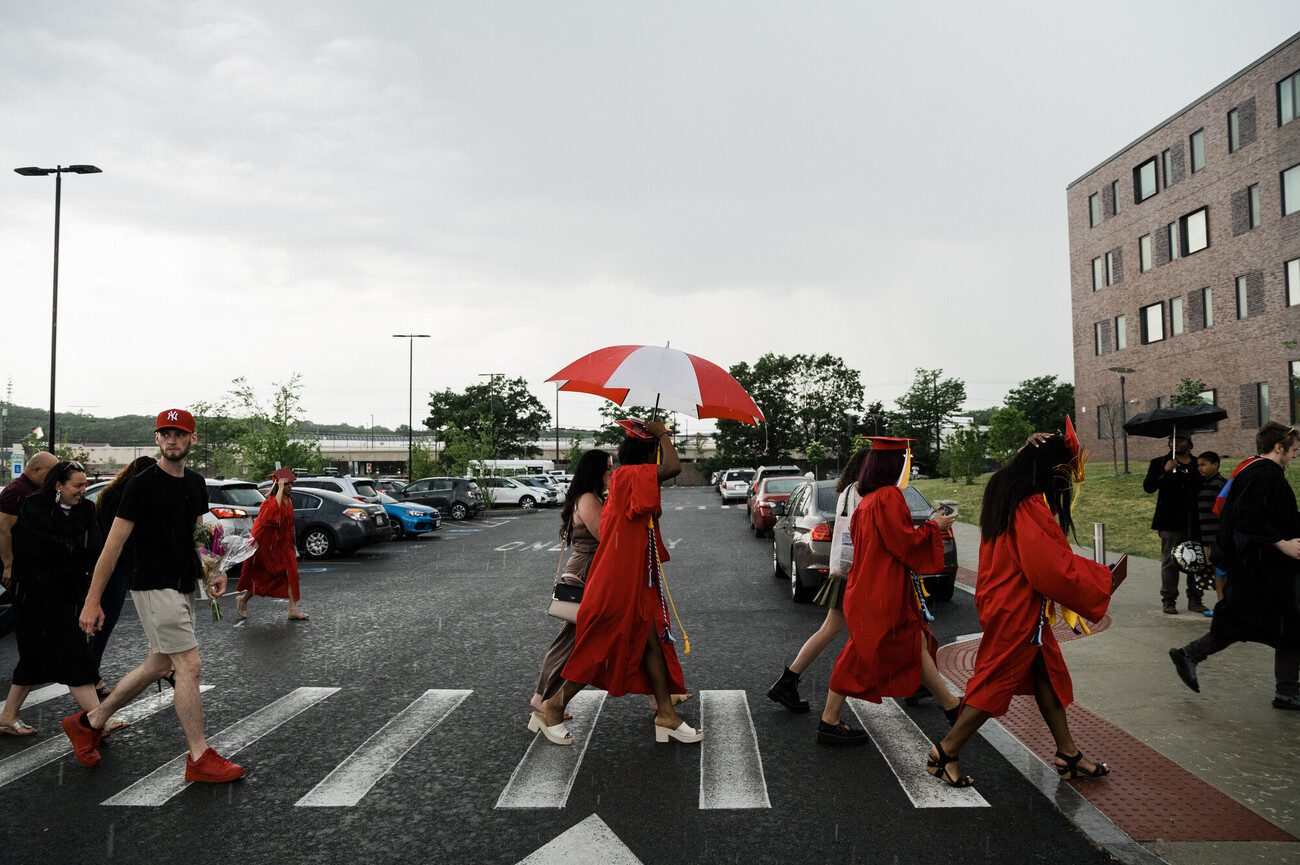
<point x="84" y="739"/>
<point x="211" y="768"/>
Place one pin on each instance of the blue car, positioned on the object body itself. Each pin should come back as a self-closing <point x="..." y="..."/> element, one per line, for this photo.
<point x="408" y="518"/>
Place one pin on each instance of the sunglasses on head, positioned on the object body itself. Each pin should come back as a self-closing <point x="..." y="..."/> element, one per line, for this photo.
<point x="76" y="466"/>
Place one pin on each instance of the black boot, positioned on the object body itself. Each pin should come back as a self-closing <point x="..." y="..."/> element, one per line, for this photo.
<point x="786" y="692"/>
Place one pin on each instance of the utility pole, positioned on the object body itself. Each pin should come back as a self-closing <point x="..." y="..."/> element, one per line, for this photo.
<point x="557" y="422"/>
<point x="4" y="419"/>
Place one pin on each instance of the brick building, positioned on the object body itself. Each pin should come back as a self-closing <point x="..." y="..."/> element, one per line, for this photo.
<point x="1185" y="262"/>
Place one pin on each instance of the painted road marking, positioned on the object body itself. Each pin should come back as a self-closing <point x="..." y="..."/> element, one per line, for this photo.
<point x="30" y="759"/>
<point x="731" y="769"/>
<point x="904" y="747"/>
<point x="546" y="774"/>
<point x="591" y="842"/>
<point x="42" y="695"/>
<point x="168" y="779"/>
<point x="352" y="779"/>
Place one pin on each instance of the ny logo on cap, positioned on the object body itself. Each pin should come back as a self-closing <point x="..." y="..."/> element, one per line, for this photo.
<point x="171" y="415"/>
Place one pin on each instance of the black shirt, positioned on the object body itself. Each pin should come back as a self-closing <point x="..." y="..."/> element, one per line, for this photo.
<point x="164" y="509"/>
<point x="1175" y="495"/>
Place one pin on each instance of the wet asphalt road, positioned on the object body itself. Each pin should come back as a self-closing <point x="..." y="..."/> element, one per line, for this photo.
<point x="463" y="609"/>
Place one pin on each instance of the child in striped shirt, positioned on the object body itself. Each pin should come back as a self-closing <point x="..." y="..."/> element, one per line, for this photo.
<point x="1211" y="482"/>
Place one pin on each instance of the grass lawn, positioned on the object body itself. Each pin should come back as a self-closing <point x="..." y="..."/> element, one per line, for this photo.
<point x="1116" y="500"/>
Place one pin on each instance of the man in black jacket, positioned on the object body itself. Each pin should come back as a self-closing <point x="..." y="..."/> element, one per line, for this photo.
<point x="1174" y="479"/>
<point x="1259" y="544"/>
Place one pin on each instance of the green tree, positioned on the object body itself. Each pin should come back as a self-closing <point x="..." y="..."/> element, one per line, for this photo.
<point x="1044" y="401"/>
<point x="928" y="405"/>
<point x="575" y="453"/>
<point x="423" y="462"/>
<point x="1008" y="429"/>
<point x="75" y="453"/>
<point x="1188" y="392"/>
<point x="966" y="454"/>
<point x="815" y="452"/>
<point x="501" y="413"/>
<point x="275" y="434"/>
<point x="217" y="451"/>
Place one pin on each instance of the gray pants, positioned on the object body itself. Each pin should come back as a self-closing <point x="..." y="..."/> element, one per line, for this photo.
<point x="1169" y="572"/>
<point x="1286" y="663"/>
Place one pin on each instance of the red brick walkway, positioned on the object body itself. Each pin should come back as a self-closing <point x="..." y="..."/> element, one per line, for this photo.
<point x="1147" y="795"/>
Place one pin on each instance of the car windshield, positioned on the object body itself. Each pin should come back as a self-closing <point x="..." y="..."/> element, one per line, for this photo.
<point x="364" y="488"/>
<point x="387" y="499"/>
<point x="781" y="485"/>
<point x="826" y="497"/>
<point x="244" y="495"/>
<point x="916" y="502"/>
<point x="741" y="475"/>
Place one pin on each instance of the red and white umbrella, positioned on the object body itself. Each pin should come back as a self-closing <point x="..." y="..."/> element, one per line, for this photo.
<point x="663" y="377"/>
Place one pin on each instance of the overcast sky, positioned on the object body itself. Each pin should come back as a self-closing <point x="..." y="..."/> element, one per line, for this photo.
<point x="287" y="184"/>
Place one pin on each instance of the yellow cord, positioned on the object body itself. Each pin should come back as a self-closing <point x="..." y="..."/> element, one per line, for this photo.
<point x="686" y="640"/>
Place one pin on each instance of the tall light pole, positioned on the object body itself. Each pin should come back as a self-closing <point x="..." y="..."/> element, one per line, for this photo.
<point x="58" y="172"/>
<point x="410" y="401"/>
<point x="492" y="407"/>
<point x="1123" y="407"/>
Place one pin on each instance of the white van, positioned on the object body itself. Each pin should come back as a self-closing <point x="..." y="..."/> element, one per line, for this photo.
<point x="478" y="468"/>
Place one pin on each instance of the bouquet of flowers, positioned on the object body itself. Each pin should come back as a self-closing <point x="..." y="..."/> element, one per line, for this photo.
<point x="218" y="553"/>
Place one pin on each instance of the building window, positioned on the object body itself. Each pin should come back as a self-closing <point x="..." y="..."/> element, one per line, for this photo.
<point x="1162" y="402"/>
<point x="1295" y="391"/>
<point x="1121" y="332"/>
<point x="1094" y="210"/>
<point x="1167" y="167"/>
<point x="1103" y="422"/>
<point x="1252" y="199"/>
<point x="1261" y="399"/>
<point x="1288" y="99"/>
<point x="1207" y="307"/>
<point x="1243" y="298"/>
<point x="1114" y="194"/>
<point x="1208" y="396"/>
<point x="1153" y="323"/>
<point x="1293" y="282"/>
<point x="1098" y="273"/>
<point x="1175" y="316"/>
<point x="1144" y="253"/>
<point x="1110" y="268"/>
<point x="1195" y="229"/>
<point x="1197" y="142"/>
<point x="1234" y="130"/>
<point x="1098" y="339"/>
<point x="1144" y="181"/>
<point x="1291" y="190"/>
<point x="1175" y="246"/>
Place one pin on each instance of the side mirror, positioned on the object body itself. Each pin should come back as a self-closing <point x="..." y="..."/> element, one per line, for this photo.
<point x="778" y="509"/>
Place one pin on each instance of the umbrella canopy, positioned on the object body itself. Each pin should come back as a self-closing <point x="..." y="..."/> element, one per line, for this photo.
<point x="664" y="377"/>
<point x="1164" y="422"/>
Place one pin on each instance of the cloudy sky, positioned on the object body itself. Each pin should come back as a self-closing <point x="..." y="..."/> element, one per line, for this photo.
<point x="287" y="184"/>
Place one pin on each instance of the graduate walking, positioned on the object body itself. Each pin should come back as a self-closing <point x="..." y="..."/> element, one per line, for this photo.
<point x="272" y="572"/>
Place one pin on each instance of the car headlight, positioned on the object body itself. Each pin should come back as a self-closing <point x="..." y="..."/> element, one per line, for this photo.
<point x="358" y="514"/>
<point x="415" y="513"/>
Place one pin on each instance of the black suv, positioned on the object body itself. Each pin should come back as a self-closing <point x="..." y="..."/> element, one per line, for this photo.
<point x="458" y="497"/>
<point x="328" y="522"/>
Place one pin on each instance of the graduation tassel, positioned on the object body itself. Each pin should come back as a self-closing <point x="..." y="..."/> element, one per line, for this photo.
<point x="918" y="586"/>
<point x="1037" y="638"/>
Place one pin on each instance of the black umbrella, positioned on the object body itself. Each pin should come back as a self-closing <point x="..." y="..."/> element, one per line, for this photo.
<point x="1165" y="422"/>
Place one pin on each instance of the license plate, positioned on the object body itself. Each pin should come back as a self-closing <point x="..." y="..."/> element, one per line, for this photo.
<point x="379" y="519"/>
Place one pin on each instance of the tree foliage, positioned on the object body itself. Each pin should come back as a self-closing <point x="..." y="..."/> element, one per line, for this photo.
<point x="275" y="434"/>
<point x="1044" y="402"/>
<point x="966" y="452"/>
<point x="928" y="405"/>
<point x="1188" y="392"/>
<point x="815" y="452"/>
<point x="501" y="413"/>
<point x="1008" y="429"/>
<point x="610" y="433"/>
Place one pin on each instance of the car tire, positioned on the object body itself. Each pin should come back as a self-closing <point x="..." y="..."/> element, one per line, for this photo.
<point x="458" y="512"/>
<point x="527" y="502"/>
<point x="777" y="573"/>
<point x="318" y="543"/>
<point x="798" y="592"/>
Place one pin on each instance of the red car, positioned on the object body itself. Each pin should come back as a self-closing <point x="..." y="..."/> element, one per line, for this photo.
<point x="769" y="492"/>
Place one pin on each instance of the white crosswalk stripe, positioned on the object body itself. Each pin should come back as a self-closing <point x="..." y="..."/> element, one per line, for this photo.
<point x="546" y="774"/>
<point x="731" y="768"/>
<point x="903" y="746"/>
<point x="30" y="759"/>
<point x="169" y="779"/>
<point x="355" y="776"/>
<point x="41" y="695"/>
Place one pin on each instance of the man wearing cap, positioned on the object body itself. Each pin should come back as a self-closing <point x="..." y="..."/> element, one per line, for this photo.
<point x="160" y="509"/>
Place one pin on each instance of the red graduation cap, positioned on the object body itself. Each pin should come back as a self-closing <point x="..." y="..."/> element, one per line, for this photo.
<point x="283" y="475"/>
<point x="888" y="443"/>
<point x="636" y="428"/>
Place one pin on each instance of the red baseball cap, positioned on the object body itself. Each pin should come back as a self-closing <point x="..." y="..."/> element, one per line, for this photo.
<point x="175" y="418"/>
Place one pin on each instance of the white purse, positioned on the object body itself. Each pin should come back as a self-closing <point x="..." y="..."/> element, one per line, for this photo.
<point x="841" y="557"/>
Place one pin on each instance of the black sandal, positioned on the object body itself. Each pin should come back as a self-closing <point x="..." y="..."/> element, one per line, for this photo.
<point x="955" y="712"/>
<point x="1072" y="770"/>
<point x="936" y="767"/>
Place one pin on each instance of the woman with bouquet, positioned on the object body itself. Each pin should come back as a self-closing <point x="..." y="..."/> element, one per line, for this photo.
<point x="272" y="572"/>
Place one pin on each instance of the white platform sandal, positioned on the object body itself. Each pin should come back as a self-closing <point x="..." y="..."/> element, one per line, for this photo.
<point x="682" y="733"/>
<point x="556" y="735"/>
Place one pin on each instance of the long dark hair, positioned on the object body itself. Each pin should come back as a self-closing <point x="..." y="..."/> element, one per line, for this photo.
<point x="880" y="469"/>
<point x="1044" y="470"/>
<point x="588" y="477"/>
<point x="851" y="470"/>
<point x="58" y="474"/>
<point x="108" y="500"/>
<point x="636" y="452"/>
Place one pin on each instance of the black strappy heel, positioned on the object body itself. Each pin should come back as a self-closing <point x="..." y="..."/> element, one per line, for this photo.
<point x="170" y="679"/>
<point x="936" y="767"/>
<point x="1072" y="770"/>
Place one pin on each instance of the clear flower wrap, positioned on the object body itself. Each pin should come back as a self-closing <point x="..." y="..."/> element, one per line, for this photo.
<point x="218" y="553"/>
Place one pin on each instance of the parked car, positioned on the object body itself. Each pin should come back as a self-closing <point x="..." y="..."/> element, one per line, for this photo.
<point x="361" y="489"/>
<point x="326" y="522"/>
<point x="547" y="483"/>
<point x="509" y="491"/>
<point x="801" y="541"/>
<point x="409" y="518"/>
<point x="458" y="498"/>
<point x="769" y="492"/>
<point x="392" y="486"/>
<point x="764" y="472"/>
<point x="735" y="484"/>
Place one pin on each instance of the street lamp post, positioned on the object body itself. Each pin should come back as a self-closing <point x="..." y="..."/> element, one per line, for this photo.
<point x="1123" y="408"/>
<point x="492" y="407"/>
<point x="410" y="401"/>
<point x="57" y="171"/>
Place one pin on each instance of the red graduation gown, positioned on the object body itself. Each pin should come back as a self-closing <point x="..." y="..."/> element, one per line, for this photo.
<point x="882" y="657"/>
<point x="1028" y="562"/>
<point x="272" y="572"/>
<point x="620" y="607"/>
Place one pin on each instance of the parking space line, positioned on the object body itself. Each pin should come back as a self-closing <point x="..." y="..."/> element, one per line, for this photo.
<point x="159" y="786"/>
<point x="731" y="767"/>
<point x="30" y="759"/>
<point x="352" y="779"/>
<point x="546" y="774"/>
<point x="904" y="747"/>
<point x="41" y="695"/>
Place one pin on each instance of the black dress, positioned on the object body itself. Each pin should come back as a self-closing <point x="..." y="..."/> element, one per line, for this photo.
<point x="54" y="555"/>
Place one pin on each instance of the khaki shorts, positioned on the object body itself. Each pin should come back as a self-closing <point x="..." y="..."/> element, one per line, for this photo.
<point x="168" y="620"/>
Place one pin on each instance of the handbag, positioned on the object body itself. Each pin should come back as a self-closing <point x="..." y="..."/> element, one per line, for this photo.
<point x="564" y="598"/>
<point x="841" y="557"/>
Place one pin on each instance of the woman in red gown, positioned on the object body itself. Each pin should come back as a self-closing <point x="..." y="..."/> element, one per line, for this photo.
<point x="272" y="572"/>
<point x="1026" y="567"/>
<point x="623" y="641"/>
<point x="890" y="650"/>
